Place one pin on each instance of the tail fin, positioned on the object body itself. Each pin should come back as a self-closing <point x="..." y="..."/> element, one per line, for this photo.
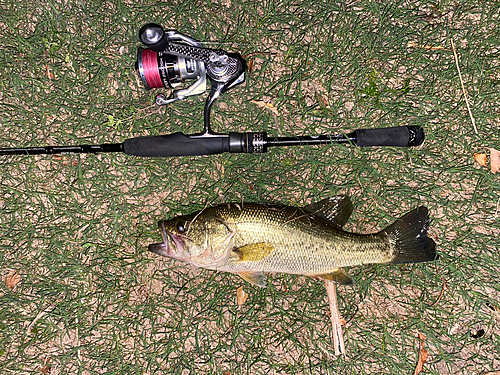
<point x="408" y="236"/>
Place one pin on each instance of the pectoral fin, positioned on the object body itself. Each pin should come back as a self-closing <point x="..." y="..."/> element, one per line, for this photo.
<point x="337" y="276"/>
<point x="255" y="278"/>
<point x="254" y="252"/>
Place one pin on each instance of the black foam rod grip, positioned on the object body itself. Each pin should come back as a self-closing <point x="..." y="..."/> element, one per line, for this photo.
<point x="176" y="144"/>
<point x="401" y="136"/>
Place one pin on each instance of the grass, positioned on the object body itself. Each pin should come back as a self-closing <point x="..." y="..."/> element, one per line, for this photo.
<point x="92" y="300"/>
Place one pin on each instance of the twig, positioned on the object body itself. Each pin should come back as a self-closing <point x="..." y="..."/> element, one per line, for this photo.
<point x="39" y="316"/>
<point x="78" y="352"/>
<point x="338" y="339"/>
<point x="258" y="54"/>
<point x="463" y="87"/>
<point x="445" y="286"/>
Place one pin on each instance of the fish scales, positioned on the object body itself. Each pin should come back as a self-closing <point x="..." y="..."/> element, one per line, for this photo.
<point x="303" y="244"/>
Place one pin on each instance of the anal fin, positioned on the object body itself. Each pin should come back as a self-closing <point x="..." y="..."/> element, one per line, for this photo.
<point x="255" y="278"/>
<point x="337" y="276"/>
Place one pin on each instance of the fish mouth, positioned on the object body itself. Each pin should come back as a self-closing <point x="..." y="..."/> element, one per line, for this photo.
<point x="158" y="248"/>
<point x="172" y="245"/>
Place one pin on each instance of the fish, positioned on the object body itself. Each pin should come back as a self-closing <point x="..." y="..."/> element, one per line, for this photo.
<point x="252" y="239"/>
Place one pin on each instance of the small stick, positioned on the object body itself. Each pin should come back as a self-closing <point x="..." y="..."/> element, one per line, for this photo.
<point x="338" y="340"/>
<point x="463" y="87"/>
<point x="445" y="286"/>
<point x="78" y="352"/>
<point x="258" y="54"/>
<point x="39" y="316"/>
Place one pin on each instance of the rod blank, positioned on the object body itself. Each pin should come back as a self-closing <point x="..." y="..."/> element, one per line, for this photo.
<point x="179" y="144"/>
<point x="52" y="150"/>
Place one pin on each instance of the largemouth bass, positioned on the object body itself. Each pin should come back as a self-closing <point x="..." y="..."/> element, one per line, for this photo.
<point x="251" y="239"/>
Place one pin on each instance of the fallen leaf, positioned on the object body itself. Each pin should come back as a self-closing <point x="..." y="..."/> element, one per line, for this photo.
<point x="46" y="368"/>
<point x="263" y="104"/>
<point x="482" y="159"/>
<point x="12" y="279"/>
<point x="323" y="100"/>
<point x="431" y="48"/>
<point x="423" y="355"/>
<point x="434" y="48"/>
<point x="241" y="296"/>
<point x="495" y="160"/>
<point x="492" y="373"/>
<point x="50" y="75"/>
<point x="250" y="65"/>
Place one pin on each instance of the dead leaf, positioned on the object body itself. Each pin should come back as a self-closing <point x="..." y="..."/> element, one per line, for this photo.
<point x="494" y="160"/>
<point x="323" y="100"/>
<point x="263" y="104"/>
<point x="12" y="279"/>
<point x="423" y="355"/>
<point x="492" y="373"/>
<point x="482" y="159"/>
<point x="430" y="48"/>
<point x="46" y="368"/>
<point x="241" y="296"/>
<point x="50" y="75"/>
<point x="250" y="65"/>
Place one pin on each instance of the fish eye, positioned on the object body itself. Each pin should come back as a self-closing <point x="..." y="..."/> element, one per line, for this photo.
<point x="181" y="226"/>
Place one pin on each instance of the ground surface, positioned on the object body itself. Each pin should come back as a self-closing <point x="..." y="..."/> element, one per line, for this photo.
<point x="80" y="293"/>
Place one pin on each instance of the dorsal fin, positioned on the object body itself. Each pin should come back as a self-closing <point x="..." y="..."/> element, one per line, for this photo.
<point x="336" y="209"/>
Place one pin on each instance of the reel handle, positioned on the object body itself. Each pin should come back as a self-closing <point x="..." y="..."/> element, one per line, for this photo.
<point x="176" y="144"/>
<point x="179" y="144"/>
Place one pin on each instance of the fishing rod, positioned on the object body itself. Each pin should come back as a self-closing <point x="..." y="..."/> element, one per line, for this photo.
<point x="171" y="58"/>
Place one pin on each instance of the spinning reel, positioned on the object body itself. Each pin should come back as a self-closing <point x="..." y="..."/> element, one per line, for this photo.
<point x="172" y="58"/>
